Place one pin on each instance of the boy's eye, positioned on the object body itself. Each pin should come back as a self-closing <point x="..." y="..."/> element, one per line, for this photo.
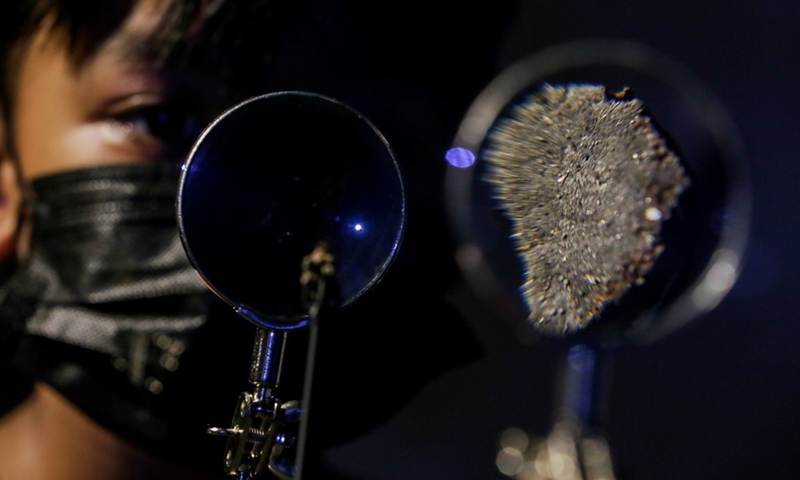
<point x="169" y="124"/>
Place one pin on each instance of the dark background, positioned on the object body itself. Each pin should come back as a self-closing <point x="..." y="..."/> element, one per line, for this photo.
<point x="717" y="399"/>
<point x="419" y="383"/>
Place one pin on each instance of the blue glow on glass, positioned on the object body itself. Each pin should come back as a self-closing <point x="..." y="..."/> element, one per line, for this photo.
<point x="460" y="157"/>
<point x="358" y="227"/>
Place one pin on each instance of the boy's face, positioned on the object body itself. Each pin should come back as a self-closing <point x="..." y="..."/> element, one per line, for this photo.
<point x="111" y="109"/>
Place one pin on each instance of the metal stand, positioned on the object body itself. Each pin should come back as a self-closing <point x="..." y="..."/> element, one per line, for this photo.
<point x="267" y="433"/>
<point x="260" y="435"/>
<point x="573" y="450"/>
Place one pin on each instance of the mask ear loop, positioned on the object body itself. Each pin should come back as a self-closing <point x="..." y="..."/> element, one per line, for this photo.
<point x="27" y="200"/>
<point x="13" y="325"/>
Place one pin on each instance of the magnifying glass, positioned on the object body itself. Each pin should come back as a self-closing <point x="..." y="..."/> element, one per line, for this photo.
<point x="715" y="209"/>
<point x="271" y="178"/>
<point x="281" y="188"/>
<point x="703" y="242"/>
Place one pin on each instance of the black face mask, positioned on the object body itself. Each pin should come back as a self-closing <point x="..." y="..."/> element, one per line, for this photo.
<point x="109" y="308"/>
<point x="106" y="265"/>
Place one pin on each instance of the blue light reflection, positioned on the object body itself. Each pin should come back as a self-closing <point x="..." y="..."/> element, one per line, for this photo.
<point x="460" y="157"/>
<point x="358" y="228"/>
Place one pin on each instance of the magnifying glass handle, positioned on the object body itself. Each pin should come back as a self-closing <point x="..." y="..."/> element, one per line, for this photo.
<point x="262" y="423"/>
<point x="266" y="432"/>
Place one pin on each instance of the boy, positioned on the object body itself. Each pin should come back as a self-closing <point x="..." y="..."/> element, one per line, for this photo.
<point x="95" y="89"/>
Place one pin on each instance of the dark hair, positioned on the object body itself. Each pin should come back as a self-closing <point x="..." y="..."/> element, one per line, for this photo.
<point x="237" y="40"/>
